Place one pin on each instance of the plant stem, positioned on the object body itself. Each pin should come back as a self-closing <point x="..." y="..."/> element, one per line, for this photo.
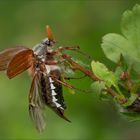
<point x="91" y="75"/>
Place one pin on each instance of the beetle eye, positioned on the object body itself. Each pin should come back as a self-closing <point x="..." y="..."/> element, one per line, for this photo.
<point x="47" y="42"/>
<point x="48" y="53"/>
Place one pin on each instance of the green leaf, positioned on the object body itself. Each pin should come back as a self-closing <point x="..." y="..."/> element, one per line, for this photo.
<point x="127" y="44"/>
<point x="104" y="74"/>
<point x="118" y="71"/>
<point x="135" y="87"/>
<point x="130" y="100"/>
<point x="97" y="87"/>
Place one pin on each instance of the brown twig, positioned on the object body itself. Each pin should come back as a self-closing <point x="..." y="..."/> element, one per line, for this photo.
<point x="115" y="95"/>
<point x="91" y="75"/>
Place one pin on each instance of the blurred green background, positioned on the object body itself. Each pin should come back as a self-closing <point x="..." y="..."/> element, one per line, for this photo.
<point x="80" y="23"/>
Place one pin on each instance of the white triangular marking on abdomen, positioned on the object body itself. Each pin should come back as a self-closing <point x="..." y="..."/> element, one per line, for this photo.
<point x="54" y="93"/>
<point x="57" y="105"/>
<point x="54" y="99"/>
<point x="52" y="86"/>
<point x="61" y="107"/>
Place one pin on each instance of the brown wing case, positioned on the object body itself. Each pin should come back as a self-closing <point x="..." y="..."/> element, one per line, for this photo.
<point x="20" y="62"/>
<point x="7" y="54"/>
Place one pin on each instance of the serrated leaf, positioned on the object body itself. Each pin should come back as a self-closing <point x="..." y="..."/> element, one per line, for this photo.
<point x="130" y="26"/>
<point x="104" y="74"/>
<point x="127" y="44"/>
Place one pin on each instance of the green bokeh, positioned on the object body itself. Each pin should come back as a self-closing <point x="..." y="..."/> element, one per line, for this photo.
<point x="80" y="23"/>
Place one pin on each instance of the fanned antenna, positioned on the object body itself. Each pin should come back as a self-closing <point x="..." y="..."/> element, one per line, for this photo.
<point x="49" y="33"/>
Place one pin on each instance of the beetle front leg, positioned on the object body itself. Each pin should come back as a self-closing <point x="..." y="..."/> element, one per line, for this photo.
<point x="76" y="66"/>
<point x="61" y="49"/>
